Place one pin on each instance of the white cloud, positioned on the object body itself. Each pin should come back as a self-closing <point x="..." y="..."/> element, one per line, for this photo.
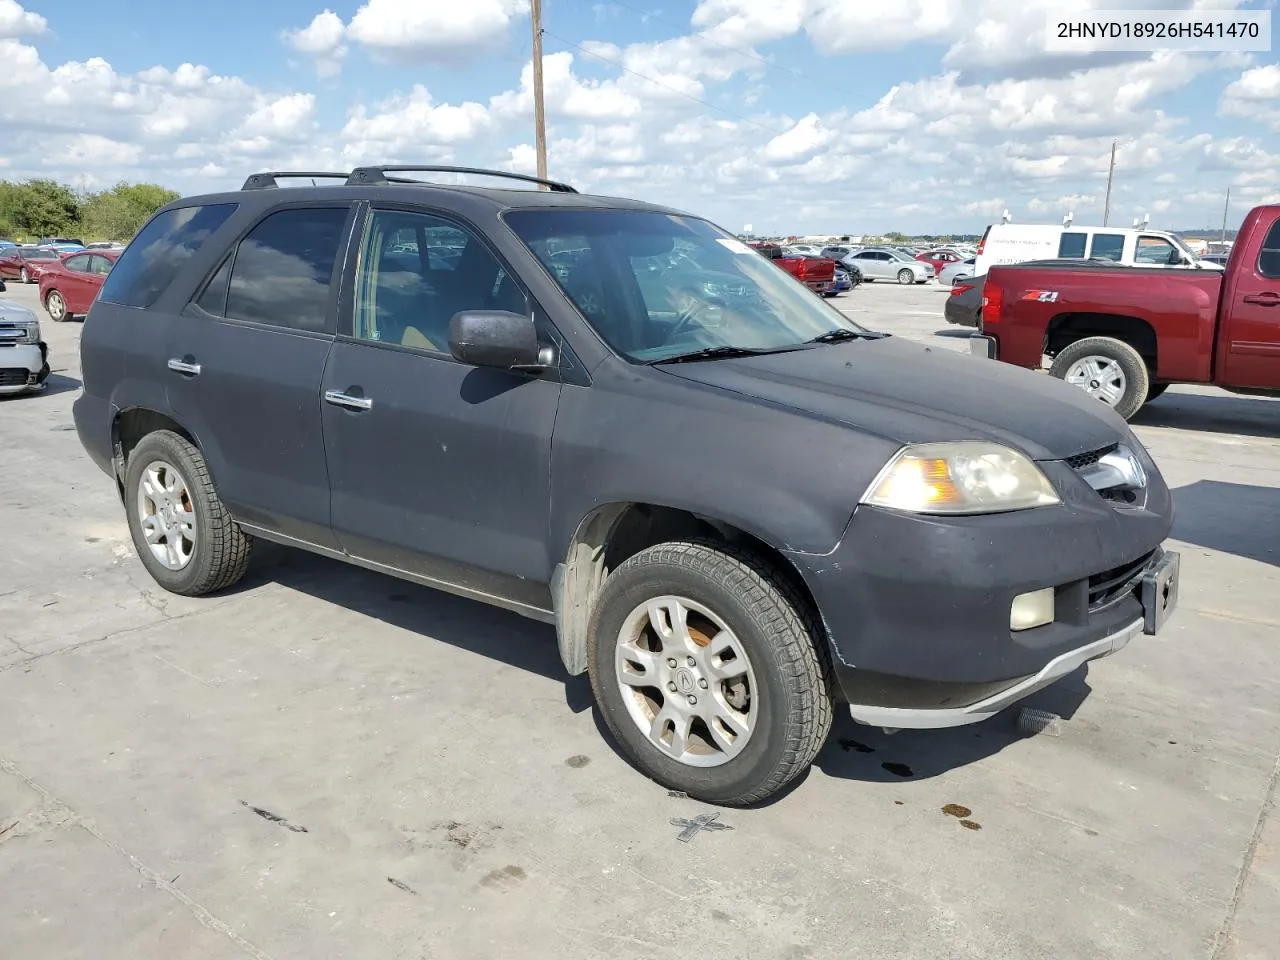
<point x="322" y="40"/>
<point x="413" y="31"/>
<point x="1255" y="96"/>
<point x="567" y="96"/>
<point x="18" y="22"/>
<point x="401" y="125"/>
<point x="801" y="142"/>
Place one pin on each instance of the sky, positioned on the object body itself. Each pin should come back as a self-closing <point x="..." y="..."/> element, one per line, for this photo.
<point x="791" y="116"/>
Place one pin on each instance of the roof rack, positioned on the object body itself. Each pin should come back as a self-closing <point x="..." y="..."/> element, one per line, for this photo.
<point x="267" y="179"/>
<point x="367" y="175"/>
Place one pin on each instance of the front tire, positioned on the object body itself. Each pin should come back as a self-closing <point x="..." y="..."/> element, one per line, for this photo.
<point x="183" y="533"/>
<point x="24" y="275"/>
<point x="1107" y="369"/>
<point x="56" y="306"/>
<point x="906" y="277"/>
<point x="706" y="667"/>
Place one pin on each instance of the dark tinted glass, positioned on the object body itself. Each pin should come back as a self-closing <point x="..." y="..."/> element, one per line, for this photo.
<point x="283" y="268"/>
<point x="1269" y="258"/>
<point x="151" y="261"/>
<point x="1107" y="246"/>
<point x="1072" y="245"/>
<point x="214" y="297"/>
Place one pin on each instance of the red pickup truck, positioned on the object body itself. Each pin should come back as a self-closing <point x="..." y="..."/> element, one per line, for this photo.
<point x="1124" y="334"/>
<point x="816" y="273"/>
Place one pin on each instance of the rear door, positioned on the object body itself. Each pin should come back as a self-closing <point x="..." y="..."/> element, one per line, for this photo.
<point x="76" y="284"/>
<point x="246" y="360"/>
<point x="437" y="468"/>
<point x="1249" y="351"/>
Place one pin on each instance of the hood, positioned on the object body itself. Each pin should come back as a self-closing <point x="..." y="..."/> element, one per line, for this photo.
<point x="14" y="312"/>
<point x="910" y="393"/>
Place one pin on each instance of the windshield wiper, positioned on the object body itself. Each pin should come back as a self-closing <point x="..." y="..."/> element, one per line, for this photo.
<point x="844" y="333"/>
<point x="718" y="353"/>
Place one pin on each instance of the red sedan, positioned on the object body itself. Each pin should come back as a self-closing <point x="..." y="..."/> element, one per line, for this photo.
<point x="69" y="286"/>
<point x="938" y="259"/>
<point x="25" y="263"/>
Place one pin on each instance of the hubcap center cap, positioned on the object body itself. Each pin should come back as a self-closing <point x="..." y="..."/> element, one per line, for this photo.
<point x="685" y="680"/>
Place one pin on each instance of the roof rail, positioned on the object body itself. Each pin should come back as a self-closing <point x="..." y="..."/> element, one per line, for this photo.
<point x="366" y="175"/>
<point x="267" y="179"/>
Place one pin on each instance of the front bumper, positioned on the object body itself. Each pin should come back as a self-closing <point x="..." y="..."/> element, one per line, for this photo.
<point x="23" y="366"/>
<point x="917" y="608"/>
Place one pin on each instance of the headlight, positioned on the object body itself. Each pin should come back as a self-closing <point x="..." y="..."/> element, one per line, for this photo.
<point x="967" y="476"/>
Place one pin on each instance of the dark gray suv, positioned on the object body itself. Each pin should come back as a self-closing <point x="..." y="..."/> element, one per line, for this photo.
<point x="738" y="508"/>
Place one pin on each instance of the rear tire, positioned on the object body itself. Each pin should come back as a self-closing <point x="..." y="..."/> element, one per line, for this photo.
<point x="781" y="687"/>
<point x="1107" y="369"/>
<point x="906" y="277"/>
<point x="211" y="552"/>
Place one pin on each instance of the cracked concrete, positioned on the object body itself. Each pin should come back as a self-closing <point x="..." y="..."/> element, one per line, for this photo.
<point x="329" y="763"/>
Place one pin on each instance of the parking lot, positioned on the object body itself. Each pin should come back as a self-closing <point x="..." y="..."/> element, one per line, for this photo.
<point x="325" y="762"/>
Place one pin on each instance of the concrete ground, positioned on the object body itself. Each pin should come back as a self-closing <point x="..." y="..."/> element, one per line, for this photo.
<point x="327" y="763"/>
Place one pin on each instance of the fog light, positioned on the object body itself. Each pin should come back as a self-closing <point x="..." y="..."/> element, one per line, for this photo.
<point x="1033" y="609"/>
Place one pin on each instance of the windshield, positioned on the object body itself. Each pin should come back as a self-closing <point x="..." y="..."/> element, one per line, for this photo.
<point x="657" y="286"/>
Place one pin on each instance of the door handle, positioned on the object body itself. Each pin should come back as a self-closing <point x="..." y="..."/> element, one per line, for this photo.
<point x="182" y="366"/>
<point x="340" y="399"/>
<point x="1264" y="299"/>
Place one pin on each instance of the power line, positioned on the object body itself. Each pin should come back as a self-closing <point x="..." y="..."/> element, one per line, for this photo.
<point x="636" y="73"/>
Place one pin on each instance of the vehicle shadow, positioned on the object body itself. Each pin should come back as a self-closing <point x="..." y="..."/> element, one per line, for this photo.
<point x="857" y="752"/>
<point x="1237" y="518"/>
<point x="436" y="615"/>
<point x="1221" y="413"/>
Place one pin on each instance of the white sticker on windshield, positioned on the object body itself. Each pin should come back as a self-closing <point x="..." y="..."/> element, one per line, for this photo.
<point x="737" y="246"/>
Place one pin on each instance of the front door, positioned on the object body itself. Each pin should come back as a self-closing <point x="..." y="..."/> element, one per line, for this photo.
<point x="245" y="362"/>
<point x="437" y="468"/>
<point x="1249" y="352"/>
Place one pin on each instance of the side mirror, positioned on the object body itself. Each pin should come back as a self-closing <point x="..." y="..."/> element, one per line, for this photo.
<point x="496" y="338"/>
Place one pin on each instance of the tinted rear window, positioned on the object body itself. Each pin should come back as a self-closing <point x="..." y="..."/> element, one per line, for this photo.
<point x="151" y="261"/>
<point x="1072" y="245"/>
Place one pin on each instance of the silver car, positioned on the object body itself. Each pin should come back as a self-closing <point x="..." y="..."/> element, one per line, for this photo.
<point x="959" y="270"/>
<point x="885" y="263"/>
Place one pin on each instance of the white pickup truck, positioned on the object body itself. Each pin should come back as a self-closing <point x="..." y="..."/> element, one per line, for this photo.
<point x="24" y="357"/>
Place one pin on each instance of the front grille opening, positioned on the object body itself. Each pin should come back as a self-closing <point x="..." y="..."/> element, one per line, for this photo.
<point x="1116" y="495"/>
<point x="14" y="378"/>
<point x="1082" y="460"/>
<point x="1111" y="585"/>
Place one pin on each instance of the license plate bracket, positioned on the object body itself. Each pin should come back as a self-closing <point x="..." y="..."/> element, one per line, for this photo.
<point x="1159" y="592"/>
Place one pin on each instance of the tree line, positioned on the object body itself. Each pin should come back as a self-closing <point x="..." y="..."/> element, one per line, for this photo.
<point x="32" y="209"/>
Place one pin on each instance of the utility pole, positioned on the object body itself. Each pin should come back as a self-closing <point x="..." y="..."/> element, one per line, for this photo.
<point x="539" y="118"/>
<point x="1111" y="172"/>
<point x="1225" y="207"/>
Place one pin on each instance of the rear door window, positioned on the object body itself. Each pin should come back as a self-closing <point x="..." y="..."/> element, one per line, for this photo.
<point x="284" y="269"/>
<point x="1269" y="257"/>
<point x="1107" y="246"/>
<point x="159" y="251"/>
<point x="79" y="264"/>
<point x="1071" y="246"/>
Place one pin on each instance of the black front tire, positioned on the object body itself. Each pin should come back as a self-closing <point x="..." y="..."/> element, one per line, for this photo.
<point x="221" y="552"/>
<point x="782" y="638"/>
<point x="1136" y="374"/>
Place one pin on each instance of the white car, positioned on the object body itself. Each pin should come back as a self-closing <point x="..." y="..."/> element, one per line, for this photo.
<point x="953" y="273"/>
<point x="887" y="263"/>
<point x="23" y="355"/>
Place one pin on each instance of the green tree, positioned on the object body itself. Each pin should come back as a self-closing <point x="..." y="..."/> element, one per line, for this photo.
<point x="118" y="213"/>
<point x="38" y="208"/>
<point x="896" y="237"/>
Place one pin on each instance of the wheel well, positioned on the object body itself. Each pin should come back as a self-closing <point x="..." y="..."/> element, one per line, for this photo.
<point x="617" y="531"/>
<point x="1066" y="329"/>
<point x="130" y="426"/>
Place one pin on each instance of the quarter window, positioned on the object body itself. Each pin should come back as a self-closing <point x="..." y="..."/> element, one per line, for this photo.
<point x="283" y="269"/>
<point x="164" y="245"/>
<point x="417" y="271"/>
